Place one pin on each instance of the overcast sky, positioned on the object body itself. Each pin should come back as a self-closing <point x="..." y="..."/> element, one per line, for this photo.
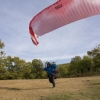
<point x="59" y="45"/>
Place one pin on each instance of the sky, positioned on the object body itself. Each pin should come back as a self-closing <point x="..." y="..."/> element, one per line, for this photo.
<point x="60" y="45"/>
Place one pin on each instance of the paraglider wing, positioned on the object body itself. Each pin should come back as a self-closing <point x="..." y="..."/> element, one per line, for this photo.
<point x="61" y="13"/>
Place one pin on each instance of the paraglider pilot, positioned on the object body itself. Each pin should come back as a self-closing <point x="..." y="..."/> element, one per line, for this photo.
<point x="51" y="72"/>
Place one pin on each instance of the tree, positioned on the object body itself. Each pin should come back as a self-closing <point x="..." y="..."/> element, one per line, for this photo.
<point x="2" y="54"/>
<point x="3" y="71"/>
<point x="27" y="71"/>
<point x="95" y="55"/>
<point x="74" y="68"/>
<point x="15" y="67"/>
<point x="63" y="68"/>
<point x="18" y="65"/>
<point x="94" y="52"/>
<point x="37" y="68"/>
<point x="85" y="65"/>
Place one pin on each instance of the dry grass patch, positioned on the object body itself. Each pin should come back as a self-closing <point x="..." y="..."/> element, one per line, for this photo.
<point x="41" y="89"/>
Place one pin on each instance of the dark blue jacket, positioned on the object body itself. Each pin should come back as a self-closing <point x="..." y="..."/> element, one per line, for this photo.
<point x="50" y="69"/>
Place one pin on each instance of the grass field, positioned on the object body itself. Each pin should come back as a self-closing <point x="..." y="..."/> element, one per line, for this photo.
<point x="83" y="88"/>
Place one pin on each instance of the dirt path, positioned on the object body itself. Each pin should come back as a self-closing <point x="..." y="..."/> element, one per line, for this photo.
<point x="34" y="89"/>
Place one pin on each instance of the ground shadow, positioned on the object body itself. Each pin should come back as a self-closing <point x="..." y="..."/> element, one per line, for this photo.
<point x="18" y="89"/>
<point x="9" y="88"/>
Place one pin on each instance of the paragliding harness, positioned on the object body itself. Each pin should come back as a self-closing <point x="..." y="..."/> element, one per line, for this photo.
<point x="55" y="73"/>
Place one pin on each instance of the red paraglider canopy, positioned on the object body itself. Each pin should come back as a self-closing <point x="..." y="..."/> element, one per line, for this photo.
<point x="61" y="13"/>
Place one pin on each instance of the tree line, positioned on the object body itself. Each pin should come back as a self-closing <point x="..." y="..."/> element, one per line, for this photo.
<point x="87" y="65"/>
<point x="16" y="68"/>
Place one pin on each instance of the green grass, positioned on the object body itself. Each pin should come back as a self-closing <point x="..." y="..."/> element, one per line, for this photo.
<point x="91" y="93"/>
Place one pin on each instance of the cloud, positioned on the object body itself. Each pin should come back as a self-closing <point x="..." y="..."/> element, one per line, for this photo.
<point x="59" y="45"/>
